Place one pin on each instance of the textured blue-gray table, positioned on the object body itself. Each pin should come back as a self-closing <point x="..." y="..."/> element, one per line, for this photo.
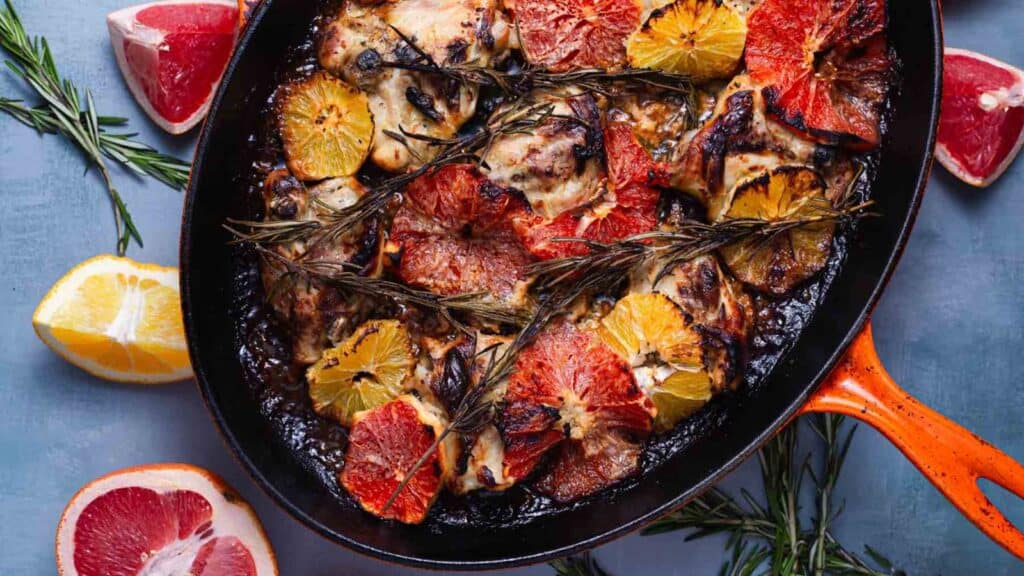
<point x="950" y="328"/>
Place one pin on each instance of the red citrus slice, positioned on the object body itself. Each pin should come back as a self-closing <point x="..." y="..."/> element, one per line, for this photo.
<point x="568" y="385"/>
<point x="630" y="208"/>
<point x="981" y="128"/>
<point x="456" y="236"/>
<point x="172" y="55"/>
<point x="383" y="445"/>
<point x="824" y="66"/>
<point x="565" y="34"/>
<point x="161" y="519"/>
<point x="585" y="467"/>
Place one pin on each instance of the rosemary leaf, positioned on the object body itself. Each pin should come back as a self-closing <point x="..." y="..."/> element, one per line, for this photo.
<point x="62" y="113"/>
<point x="771" y="538"/>
<point x="580" y="565"/>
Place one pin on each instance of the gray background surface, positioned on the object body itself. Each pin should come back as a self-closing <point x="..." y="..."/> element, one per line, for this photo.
<point x="950" y="328"/>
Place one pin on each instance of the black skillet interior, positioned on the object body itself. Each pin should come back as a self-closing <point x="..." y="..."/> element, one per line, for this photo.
<point x="224" y="154"/>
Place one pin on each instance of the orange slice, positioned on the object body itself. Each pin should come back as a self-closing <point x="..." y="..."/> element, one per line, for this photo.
<point x="326" y="127"/>
<point x="118" y="320"/>
<point x="363" y="372"/>
<point x="700" y="38"/>
<point x="778" y="264"/>
<point x="664" y="351"/>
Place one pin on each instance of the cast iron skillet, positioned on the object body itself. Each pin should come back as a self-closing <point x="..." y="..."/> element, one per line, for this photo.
<point x="859" y="387"/>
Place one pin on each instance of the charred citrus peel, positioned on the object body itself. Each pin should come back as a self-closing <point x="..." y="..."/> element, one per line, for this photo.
<point x="703" y="39"/>
<point x="824" y="66"/>
<point x="363" y="372"/>
<point x="777" y="264"/>
<point x="326" y="127"/>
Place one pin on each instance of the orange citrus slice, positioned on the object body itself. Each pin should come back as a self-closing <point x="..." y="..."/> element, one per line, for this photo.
<point x="118" y="320"/>
<point x="664" y="351"/>
<point x="326" y="127"/>
<point x="700" y="38"/>
<point x="778" y="264"/>
<point x="365" y="371"/>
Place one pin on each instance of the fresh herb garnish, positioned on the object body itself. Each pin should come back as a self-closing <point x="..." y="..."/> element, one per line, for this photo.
<point x="62" y="112"/>
<point x="603" y="264"/>
<point x="768" y="536"/>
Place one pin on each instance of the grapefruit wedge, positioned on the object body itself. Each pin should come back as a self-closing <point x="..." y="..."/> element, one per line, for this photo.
<point x="981" y="128"/>
<point x="172" y="55"/>
<point x="161" y="519"/>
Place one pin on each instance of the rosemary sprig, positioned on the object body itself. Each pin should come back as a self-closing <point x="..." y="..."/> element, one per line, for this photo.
<point x="603" y="264"/>
<point x="773" y="526"/>
<point x="133" y="155"/>
<point x="521" y="82"/>
<point x="347" y="277"/>
<point x="62" y="112"/>
<point x="337" y="221"/>
<point x="582" y="565"/>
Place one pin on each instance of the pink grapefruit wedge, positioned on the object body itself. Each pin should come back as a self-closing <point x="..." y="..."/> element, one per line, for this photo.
<point x="981" y="128"/>
<point x="172" y="54"/>
<point x="161" y="519"/>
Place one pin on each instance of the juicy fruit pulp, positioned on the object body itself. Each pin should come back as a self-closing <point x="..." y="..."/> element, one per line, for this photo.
<point x="981" y="128"/>
<point x="565" y="34"/>
<point x="161" y="519"/>
<point x="363" y="372"/>
<point x="117" y="319"/>
<point x="787" y="259"/>
<point x="651" y="333"/>
<point x="385" y="443"/>
<point x="569" y="386"/>
<point x="824" y="66"/>
<point x="326" y="127"/>
<point x="159" y="528"/>
<point x="700" y="38"/>
<point x="173" y="56"/>
<point x="455" y="234"/>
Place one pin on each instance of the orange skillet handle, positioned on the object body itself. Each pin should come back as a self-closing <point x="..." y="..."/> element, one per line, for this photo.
<point x="950" y="456"/>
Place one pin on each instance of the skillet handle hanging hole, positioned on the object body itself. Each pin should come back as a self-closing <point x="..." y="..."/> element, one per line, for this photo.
<point x="950" y="456"/>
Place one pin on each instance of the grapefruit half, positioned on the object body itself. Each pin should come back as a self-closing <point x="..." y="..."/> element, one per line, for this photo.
<point x="565" y="34"/>
<point x="172" y="55"/>
<point x="161" y="519"/>
<point x="981" y="128"/>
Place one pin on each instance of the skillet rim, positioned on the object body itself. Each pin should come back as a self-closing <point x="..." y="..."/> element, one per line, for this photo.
<point x="241" y="455"/>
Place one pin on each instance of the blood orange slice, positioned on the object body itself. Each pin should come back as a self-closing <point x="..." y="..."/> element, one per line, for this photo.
<point x="565" y="34"/>
<point x="584" y="467"/>
<point x="161" y="519"/>
<point x="981" y="129"/>
<point x="172" y="55"/>
<point x="568" y="385"/>
<point x="384" y="444"/>
<point x="824" y="66"/>
<point x="628" y="209"/>
<point x="456" y="237"/>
